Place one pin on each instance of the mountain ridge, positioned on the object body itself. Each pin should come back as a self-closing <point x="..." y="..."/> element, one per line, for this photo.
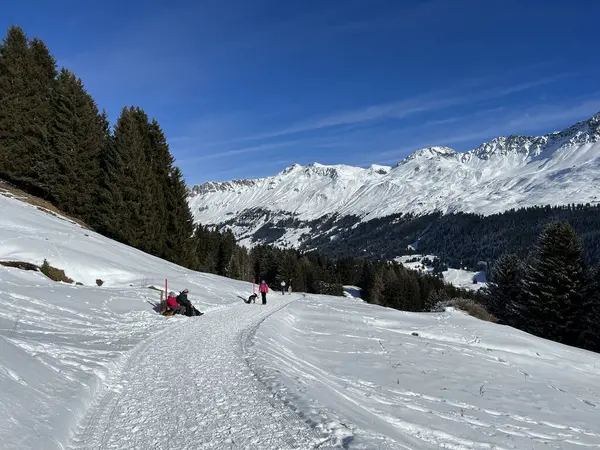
<point x="504" y="173"/>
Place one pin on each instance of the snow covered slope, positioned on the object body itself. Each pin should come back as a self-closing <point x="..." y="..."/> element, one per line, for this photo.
<point x="507" y="172"/>
<point x="77" y="362"/>
<point x="358" y="371"/>
<point x="83" y="366"/>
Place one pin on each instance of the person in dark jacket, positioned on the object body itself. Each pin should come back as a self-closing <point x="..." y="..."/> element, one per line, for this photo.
<point x="183" y="300"/>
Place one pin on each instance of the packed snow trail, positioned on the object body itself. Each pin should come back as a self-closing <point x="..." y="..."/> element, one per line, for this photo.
<point x="190" y="388"/>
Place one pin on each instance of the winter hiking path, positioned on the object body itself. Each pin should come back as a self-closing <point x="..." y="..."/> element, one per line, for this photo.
<point x="190" y="387"/>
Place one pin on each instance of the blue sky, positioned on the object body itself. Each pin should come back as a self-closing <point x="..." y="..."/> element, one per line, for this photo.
<point x="246" y="88"/>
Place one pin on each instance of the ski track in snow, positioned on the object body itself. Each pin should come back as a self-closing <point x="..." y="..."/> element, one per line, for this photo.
<point x="189" y="387"/>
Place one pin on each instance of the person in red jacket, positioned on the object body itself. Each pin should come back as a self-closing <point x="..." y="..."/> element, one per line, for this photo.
<point x="264" y="288"/>
<point x="172" y="303"/>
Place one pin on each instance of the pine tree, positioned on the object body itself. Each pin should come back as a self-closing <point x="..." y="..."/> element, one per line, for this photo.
<point x="106" y="217"/>
<point x="161" y="163"/>
<point x="554" y="284"/>
<point x="225" y="255"/>
<point x="372" y="283"/>
<point x="587" y="323"/>
<point x="205" y="249"/>
<point x="180" y="223"/>
<point x="77" y="139"/>
<point x="504" y="290"/>
<point x="435" y="300"/>
<point x="42" y="80"/>
<point x="132" y="142"/>
<point x="306" y="277"/>
<point x="27" y="72"/>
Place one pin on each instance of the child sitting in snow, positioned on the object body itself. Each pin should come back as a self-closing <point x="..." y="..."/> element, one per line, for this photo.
<point x="172" y="303"/>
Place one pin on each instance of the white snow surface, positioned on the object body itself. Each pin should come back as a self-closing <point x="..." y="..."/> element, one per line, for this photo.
<point x="357" y="371"/>
<point x="461" y="278"/>
<point x="85" y="367"/>
<point x="507" y="172"/>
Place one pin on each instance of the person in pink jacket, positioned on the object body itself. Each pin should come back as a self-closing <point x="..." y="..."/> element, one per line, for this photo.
<point x="172" y="303"/>
<point x="264" y="288"/>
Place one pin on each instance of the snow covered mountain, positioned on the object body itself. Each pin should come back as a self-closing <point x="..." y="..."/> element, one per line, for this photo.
<point x="94" y="367"/>
<point x="507" y="172"/>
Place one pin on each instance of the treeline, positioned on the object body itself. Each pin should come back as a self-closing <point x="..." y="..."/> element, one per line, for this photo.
<point x="552" y="293"/>
<point x="383" y="283"/>
<point x="461" y="239"/>
<point x="394" y="286"/>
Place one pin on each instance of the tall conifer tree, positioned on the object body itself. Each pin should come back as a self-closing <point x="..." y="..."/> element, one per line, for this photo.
<point x="554" y="283"/>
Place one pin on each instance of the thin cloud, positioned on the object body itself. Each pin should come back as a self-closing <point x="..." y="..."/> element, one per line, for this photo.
<point x="404" y="108"/>
<point x="530" y="121"/>
<point x="237" y="152"/>
<point x="243" y="170"/>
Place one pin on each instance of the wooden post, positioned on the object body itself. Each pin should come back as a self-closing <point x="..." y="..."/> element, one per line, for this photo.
<point x="166" y="288"/>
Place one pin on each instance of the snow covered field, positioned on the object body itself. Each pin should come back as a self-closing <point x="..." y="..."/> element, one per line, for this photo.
<point x="357" y="370"/>
<point x="458" y="277"/>
<point x="95" y="367"/>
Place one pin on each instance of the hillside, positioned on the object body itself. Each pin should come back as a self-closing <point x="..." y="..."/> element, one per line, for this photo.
<point x="506" y="173"/>
<point x="84" y="366"/>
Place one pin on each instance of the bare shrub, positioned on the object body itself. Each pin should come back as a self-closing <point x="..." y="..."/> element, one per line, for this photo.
<point x="54" y="274"/>
<point x="473" y="309"/>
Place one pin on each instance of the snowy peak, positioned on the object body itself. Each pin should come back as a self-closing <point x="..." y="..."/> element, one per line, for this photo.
<point x="427" y="153"/>
<point x="332" y="171"/>
<point x="511" y="145"/>
<point x="291" y="169"/>
<point x="504" y="173"/>
<point x="584" y="132"/>
<point x="212" y="186"/>
<point x="380" y="170"/>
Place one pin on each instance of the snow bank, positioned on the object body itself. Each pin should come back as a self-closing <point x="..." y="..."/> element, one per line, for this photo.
<point x="358" y="371"/>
